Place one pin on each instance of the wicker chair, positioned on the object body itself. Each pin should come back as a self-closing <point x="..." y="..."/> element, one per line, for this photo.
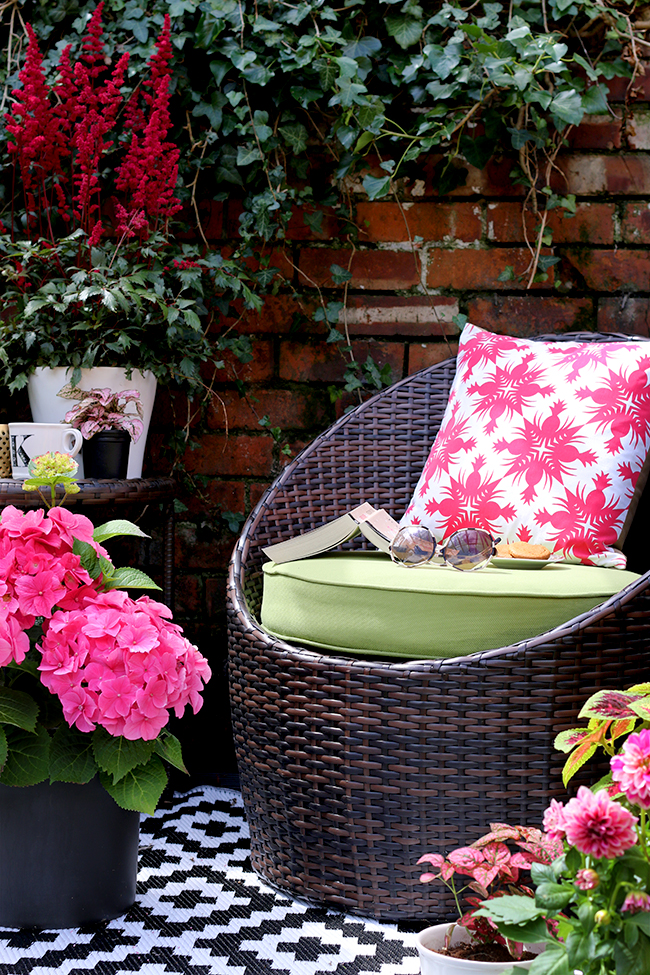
<point x="351" y="769"/>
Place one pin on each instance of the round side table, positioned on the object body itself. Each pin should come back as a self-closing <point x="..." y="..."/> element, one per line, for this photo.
<point x="113" y="494"/>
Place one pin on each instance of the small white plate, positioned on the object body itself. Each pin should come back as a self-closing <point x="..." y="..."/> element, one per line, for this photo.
<point x="521" y="563"/>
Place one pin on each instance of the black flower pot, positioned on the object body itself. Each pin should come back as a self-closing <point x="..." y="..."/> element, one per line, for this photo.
<point x="107" y="454"/>
<point x="68" y="855"/>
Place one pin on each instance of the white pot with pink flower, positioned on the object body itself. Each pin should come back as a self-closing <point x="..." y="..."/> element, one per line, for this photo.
<point x="90" y="677"/>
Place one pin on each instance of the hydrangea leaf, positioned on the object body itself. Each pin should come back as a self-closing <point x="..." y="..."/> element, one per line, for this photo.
<point x="18" y="709"/>
<point x="119" y="526"/>
<point x="28" y="759"/>
<point x="169" y="748"/>
<point x="130" y="578"/>
<point x="71" y="756"/>
<point x="117" y="756"/>
<point x="4" y="748"/>
<point x="140" y="789"/>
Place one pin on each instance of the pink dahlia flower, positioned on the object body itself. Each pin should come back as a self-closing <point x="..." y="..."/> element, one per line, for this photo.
<point x="598" y="826"/>
<point x="631" y="769"/>
<point x="636" y="902"/>
<point x="554" y="820"/>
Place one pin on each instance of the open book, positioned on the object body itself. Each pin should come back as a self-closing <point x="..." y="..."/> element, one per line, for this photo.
<point x="375" y="523"/>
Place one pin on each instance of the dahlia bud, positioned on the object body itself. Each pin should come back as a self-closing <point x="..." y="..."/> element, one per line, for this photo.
<point x="636" y="902"/>
<point x="602" y="918"/>
<point x="587" y="879"/>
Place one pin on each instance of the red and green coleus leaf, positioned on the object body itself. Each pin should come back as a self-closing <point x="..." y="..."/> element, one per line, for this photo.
<point x="577" y="759"/>
<point x="569" y="739"/>
<point x="610" y="705"/>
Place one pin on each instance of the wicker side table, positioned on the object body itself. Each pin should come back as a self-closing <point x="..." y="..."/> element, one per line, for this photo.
<point x="112" y="493"/>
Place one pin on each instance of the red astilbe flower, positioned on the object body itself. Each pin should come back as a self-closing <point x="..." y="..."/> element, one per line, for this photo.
<point x="149" y="171"/>
<point x="37" y="142"/>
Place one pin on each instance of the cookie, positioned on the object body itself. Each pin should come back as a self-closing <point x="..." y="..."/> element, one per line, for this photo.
<point x="523" y="550"/>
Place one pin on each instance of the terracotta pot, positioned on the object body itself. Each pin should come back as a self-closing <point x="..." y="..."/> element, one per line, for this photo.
<point x="47" y="407"/>
<point x="433" y="963"/>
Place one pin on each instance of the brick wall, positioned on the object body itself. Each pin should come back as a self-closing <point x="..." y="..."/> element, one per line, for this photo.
<point x="415" y="265"/>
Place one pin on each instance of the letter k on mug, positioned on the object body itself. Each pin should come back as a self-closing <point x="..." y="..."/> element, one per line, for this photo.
<point x="29" y="440"/>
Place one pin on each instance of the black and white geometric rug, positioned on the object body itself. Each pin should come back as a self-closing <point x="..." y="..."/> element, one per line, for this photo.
<point x="201" y="910"/>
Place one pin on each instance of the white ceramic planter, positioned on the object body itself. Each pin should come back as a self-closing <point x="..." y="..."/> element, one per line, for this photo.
<point x="433" y="963"/>
<point x="47" y="407"/>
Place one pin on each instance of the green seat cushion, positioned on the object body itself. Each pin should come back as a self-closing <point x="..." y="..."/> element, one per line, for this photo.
<point x="361" y="603"/>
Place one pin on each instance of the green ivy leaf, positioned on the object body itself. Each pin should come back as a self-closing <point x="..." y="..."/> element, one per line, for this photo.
<point x="406" y="30"/>
<point x="117" y="755"/>
<point x="295" y="135"/>
<point x="141" y="787"/>
<point x="28" y="757"/>
<point x="376" y="187"/>
<point x="566" y="107"/>
<point x="71" y="756"/>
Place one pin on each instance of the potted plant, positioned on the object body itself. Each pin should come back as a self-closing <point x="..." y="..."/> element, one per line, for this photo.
<point x="473" y="944"/>
<point x="105" y="426"/>
<point x="88" y="678"/>
<point x="94" y="275"/>
<point x="591" y="905"/>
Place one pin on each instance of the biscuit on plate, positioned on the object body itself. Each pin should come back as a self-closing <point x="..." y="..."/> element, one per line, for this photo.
<point x="524" y="550"/>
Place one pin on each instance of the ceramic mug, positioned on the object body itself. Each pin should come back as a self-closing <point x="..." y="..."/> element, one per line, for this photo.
<point x="28" y="440"/>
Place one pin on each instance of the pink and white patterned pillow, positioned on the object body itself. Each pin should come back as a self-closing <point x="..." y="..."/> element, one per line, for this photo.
<point x="541" y="442"/>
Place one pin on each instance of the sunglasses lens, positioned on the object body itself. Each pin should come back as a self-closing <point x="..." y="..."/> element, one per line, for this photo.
<point x="412" y="546"/>
<point x="469" y="548"/>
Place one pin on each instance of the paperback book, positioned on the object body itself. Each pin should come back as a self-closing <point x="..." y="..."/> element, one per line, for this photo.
<point x="374" y="523"/>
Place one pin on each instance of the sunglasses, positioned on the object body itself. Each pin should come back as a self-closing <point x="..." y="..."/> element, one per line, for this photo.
<point x="466" y="549"/>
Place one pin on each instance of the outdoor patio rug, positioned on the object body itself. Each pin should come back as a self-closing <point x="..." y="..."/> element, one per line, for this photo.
<point x="200" y="909"/>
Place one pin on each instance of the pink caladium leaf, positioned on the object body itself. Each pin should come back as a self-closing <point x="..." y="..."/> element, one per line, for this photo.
<point x="436" y="860"/>
<point x="609" y="704"/>
<point x="499" y="832"/>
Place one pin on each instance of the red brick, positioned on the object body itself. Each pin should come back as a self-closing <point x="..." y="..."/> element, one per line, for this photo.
<point x="187" y="595"/>
<point x="620" y="89"/>
<point x="285" y="408"/>
<point x="300" y="362"/>
<point x="215" y="590"/>
<point x="478" y="270"/>
<point x="592" y="223"/>
<point x="259" y="369"/>
<point x="584" y="175"/>
<point x="280" y="314"/>
<point x="431" y="221"/>
<point x="597" y="132"/>
<point x="637" y="129"/>
<point x="256" y="491"/>
<point x="635" y="223"/>
<point x="631" y="316"/>
<point x="239" y="454"/>
<point x="529" y="316"/>
<point x="380" y="270"/>
<point x="392" y="315"/>
<point x="423" y="354"/>
<point x="197" y="550"/>
<point x="273" y="257"/>
<point x="613" y="270"/>
<point x="226" y="495"/>
<point x="299" y="229"/>
<point x="211" y="215"/>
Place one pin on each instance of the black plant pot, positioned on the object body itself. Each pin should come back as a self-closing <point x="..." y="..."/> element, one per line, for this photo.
<point x="107" y="454"/>
<point x="68" y="855"/>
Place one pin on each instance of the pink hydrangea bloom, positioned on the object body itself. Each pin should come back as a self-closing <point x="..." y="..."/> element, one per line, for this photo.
<point x="598" y="826"/>
<point x="631" y="768"/>
<point x="122" y="664"/>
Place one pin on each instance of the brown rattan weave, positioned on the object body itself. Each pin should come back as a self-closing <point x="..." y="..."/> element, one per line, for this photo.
<point x="351" y="769"/>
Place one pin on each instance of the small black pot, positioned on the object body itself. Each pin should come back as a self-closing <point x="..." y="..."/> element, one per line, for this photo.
<point x="106" y="455"/>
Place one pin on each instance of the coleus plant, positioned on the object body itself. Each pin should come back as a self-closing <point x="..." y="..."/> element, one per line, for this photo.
<point x="494" y="871"/>
<point x="88" y="675"/>
<point x="612" y="715"/>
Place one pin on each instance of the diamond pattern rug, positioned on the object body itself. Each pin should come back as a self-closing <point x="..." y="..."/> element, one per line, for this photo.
<point x="201" y="910"/>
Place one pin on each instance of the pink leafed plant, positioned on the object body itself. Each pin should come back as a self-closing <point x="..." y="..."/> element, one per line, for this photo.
<point x="494" y="871"/>
<point x="103" y="409"/>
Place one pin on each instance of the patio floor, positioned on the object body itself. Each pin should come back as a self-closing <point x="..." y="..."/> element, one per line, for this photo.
<point x="200" y="909"/>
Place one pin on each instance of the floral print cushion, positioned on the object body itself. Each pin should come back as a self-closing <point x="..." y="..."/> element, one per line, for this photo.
<point x="541" y="442"/>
